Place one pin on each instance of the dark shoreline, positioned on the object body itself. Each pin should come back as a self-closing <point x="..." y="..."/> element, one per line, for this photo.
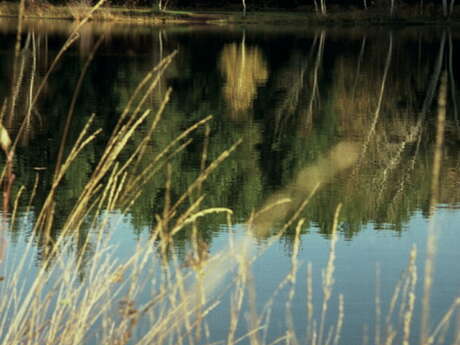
<point x="336" y="17"/>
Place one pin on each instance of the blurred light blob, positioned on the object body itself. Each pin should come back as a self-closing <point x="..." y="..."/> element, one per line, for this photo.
<point x="286" y="201"/>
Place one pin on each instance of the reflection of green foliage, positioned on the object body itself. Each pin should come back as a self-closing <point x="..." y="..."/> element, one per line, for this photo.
<point x="280" y="136"/>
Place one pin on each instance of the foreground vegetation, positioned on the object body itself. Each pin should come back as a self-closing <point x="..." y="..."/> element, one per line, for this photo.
<point x="158" y="297"/>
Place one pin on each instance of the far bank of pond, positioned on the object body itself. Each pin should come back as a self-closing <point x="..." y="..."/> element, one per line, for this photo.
<point x="302" y="16"/>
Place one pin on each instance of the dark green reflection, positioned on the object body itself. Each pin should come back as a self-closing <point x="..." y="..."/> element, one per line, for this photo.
<point x="293" y="96"/>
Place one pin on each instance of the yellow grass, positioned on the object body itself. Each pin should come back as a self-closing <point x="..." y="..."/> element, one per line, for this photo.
<point x="244" y="70"/>
<point x="56" y="306"/>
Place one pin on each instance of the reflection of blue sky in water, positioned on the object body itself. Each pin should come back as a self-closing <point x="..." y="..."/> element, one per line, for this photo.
<point x="355" y="275"/>
<point x="355" y="272"/>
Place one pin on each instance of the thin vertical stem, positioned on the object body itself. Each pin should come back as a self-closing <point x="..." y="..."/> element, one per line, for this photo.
<point x="378" y="306"/>
<point x="314" y="89"/>
<point x="358" y="68"/>
<point x="328" y="275"/>
<point x="323" y="7"/>
<point x="440" y="126"/>
<point x="310" y="307"/>
<point x="453" y="90"/>
<point x="445" y="12"/>
<point x="432" y="235"/>
<point x="380" y="101"/>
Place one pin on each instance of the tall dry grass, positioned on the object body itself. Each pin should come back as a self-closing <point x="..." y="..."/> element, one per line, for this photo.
<point x="145" y="300"/>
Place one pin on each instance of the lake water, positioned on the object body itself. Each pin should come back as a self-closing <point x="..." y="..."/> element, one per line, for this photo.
<point x="330" y="115"/>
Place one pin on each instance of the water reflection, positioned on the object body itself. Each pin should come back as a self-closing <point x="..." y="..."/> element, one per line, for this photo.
<point x="244" y="70"/>
<point x="293" y="106"/>
<point x="326" y="118"/>
<point x="295" y="196"/>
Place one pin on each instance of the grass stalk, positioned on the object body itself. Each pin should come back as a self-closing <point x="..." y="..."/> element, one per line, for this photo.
<point x="66" y="310"/>
<point x="150" y="170"/>
<point x="204" y="175"/>
<point x="432" y="231"/>
<point x="409" y="312"/>
<point x="290" y="329"/>
<point x="328" y="275"/>
<point x="378" y="306"/>
<point x="310" y="307"/>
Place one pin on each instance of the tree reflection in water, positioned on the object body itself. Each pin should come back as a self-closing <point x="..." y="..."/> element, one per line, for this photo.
<point x="244" y="69"/>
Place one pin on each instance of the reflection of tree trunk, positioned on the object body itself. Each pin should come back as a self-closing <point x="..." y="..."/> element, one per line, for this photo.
<point x="444" y="8"/>
<point x="434" y="79"/>
<point x="382" y="91"/>
<point x="427" y="104"/>
<point x="358" y="68"/>
<point x="20" y="25"/>
<point x="162" y="5"/>
<point x="437" y="154"/>
<point x="432" y="232"/>
<point x="292" y="82"/>
<point x="315" y="89"/>
<point x="428" y="101"/>
<point x="86" y="40"/>
<point x="323" y="7"/>
<point x="453" y="90"/>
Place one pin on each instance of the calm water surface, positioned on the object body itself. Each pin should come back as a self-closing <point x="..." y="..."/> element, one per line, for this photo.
<point x="354" y="109"/>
